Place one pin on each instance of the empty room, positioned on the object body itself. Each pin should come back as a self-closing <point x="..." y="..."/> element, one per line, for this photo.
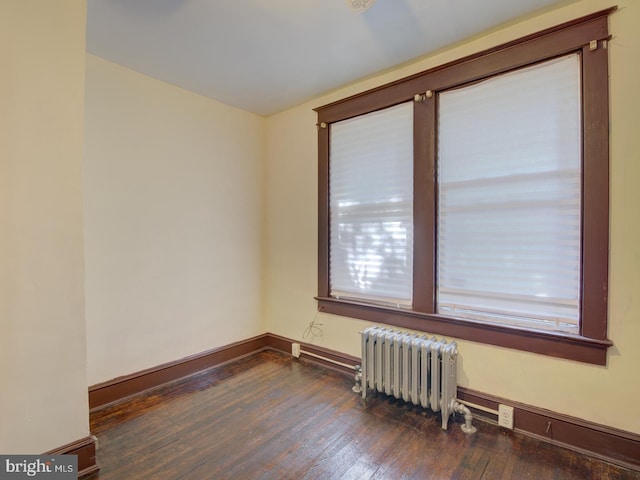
<point x="320" y="239"/>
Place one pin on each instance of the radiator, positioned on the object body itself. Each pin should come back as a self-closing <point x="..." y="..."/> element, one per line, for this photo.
<point x="412" y="367"/>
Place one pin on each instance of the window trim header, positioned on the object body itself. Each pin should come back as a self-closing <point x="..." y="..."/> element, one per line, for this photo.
<point x="551" y="42"/>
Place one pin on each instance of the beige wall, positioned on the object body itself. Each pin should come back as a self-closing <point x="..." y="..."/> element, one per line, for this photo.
<point x="176" y="261"/>
<point x="173" y="186"/>
<point x="604" y="395"/>
<point x="43" y="389"/>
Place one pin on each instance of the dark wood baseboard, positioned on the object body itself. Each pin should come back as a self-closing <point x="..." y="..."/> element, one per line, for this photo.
<point x="599" y="441"/>
<point x="120" y="388"/>
<point x="276" y="342"/>
<point x="283" y="344"/>
<point x="85" y="449"/>
<point x="331" y="355"/>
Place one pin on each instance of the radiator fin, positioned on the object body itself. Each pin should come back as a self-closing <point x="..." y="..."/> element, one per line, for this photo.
<point x="412" y="367"/>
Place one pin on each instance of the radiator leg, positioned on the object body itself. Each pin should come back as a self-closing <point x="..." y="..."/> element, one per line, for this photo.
<point x="467" y="427"/>
<point x="358" y="378"/>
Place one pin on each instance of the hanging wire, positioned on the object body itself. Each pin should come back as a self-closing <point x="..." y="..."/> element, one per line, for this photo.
<point x="313" y="328"/>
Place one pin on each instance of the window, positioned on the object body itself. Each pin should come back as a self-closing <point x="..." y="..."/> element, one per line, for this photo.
<point x="471" y="200"/>
<point x="371" y="202"/>
<point x="508" y="201"/>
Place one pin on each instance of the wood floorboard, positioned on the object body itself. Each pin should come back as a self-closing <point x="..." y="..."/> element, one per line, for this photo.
<point x="268" y="416"/>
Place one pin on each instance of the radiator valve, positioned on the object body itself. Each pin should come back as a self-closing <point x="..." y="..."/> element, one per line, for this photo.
<point x="358" y="378"/>
<point x="466" y="427"/>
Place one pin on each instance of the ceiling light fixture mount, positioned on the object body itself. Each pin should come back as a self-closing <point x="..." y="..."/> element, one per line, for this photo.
<point x="360" y="6"/>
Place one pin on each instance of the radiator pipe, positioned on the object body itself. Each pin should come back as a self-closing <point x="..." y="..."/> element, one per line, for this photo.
<point x="475" y="406"/>
<point x="315" y="355"/>
<point x="467" y="427"/>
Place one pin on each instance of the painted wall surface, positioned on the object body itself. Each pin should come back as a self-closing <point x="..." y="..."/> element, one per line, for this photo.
<point x="173" y="186"/>
<point x="594" y="393"/>
<point x="43" y="384"/>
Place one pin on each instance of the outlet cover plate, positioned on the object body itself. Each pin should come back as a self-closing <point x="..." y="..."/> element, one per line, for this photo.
<point x="505" y="416"/>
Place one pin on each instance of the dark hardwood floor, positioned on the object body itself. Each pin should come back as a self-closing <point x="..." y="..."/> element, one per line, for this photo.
<point x="268" y="416"/>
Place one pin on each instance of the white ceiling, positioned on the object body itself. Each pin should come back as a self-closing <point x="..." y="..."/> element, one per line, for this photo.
<point x="267" y="55"/>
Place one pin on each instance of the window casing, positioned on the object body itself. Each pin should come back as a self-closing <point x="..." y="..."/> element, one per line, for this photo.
<point x="584" y="39"/>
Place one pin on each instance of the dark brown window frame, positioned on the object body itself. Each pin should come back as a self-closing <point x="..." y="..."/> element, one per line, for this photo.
<point x="588" y="36"/>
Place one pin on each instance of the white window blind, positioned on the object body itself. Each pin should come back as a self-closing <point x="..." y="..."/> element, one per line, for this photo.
<point x="509" y="173"/>
<point x="371" y="207"/>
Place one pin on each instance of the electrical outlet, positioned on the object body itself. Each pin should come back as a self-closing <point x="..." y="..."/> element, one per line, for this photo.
<point x="505" y="416"/>
<point x="295" y="350"/>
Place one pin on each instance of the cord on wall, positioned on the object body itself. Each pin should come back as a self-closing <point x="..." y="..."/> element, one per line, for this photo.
<point x="313" y="329"/>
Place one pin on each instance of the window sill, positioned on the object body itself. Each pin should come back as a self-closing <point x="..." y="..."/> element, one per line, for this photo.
<point x="561" y="345"/>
